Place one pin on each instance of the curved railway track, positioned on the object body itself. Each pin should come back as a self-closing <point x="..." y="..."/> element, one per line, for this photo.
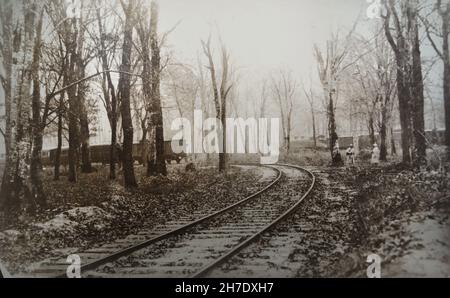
<point x="193" y="249"/>
<point x="215" y="264"/>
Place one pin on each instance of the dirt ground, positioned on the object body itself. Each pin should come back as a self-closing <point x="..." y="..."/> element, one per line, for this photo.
<point x="97" y="210"/>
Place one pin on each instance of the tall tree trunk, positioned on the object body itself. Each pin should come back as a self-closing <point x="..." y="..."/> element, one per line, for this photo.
<point x="109" y="93"/>
<point x="220" y="99"/>
<point x="144" y="151"/>
<point x="446" y="77"/>
<point x="157" y="162"/>
<point x="148" y="128"/>
<point x="288" y="132"/>
<point x="404" y="96"/>
<point x="371" y="128"/>
<point x="314" y="128"/>
<point x="113" y="147"/>
<point x="383" y="134"/>
<point x="393" y="147"/>
<point x="57" y="162"/>
<point x="124" y="91"/>
<point x="86" y="166"/>
<point x="331" y="124"/>
<point x="223" y="152"/>
<point x="417" y="94"/>
<point x="15" y="188"/>
<point x="6" y="19"/>
<point x="73" y="112"/>
<point x="7" y="61"/>
<point x="405" y="119"/>
<point x="38" y="125"/>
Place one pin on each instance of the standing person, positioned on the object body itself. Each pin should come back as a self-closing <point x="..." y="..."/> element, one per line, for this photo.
<point x="350" y="153"/>
<point x="337" y="159"/>
<point x="375" y="155"/>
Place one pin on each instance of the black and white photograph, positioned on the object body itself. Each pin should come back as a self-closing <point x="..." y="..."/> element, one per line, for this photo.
<point x="234" y="140"/>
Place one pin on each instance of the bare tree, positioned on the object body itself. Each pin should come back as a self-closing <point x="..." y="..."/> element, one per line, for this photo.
<point x="375" y="77"/>
<point x="284" y="89"/>
<point x="37" y="126"/>
<point x="124" y="94"/>
<point x="406" y="48"/>
<point x="151" y="80"/>
<point x="416" y="85"/>
<point x="220" y="94"/>
<point x="107" y="44"/>
<point x="330" y="67"/>
<point x="6" y="19"/>
<point x="7" y="52"/>
<point x="310" y="97"/>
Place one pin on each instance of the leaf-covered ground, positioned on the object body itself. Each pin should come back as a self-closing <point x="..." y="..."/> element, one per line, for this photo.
<point x="96" y="210"/>
<point x="404" y="217"/>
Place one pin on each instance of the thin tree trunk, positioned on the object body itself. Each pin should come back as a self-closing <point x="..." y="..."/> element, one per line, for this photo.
<point x="393" y="148"/>
<point x="144" y="146"/>
<point x="288" y="132"/>
<point x="112" y="148"/>
<point x="403" y="92"/>
<point x="38" y="126"/>
<point x="7" y="61"/>
<point x="110" y="99"/>
<point x="417" y="95"/>
<point x="73" y="110"/>
<point x="446" y="77"/>
<point x="59" y="136"/>
<point x="158" y="161"/>
<point x="86" y="166"/>
<point x="314" y="128"/>
<point x="223" y="153"/>
<point x="331" y="124"/>
<point x="404" y="108"/>
<point x="383" y="134"/>
<point x="371" y="128"/>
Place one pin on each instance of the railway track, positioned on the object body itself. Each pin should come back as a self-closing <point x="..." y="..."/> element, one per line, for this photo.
<point x="193" y="249"/>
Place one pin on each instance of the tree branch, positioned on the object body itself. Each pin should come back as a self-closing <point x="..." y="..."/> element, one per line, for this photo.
<point x="433" y="44"/>
<point x="88" y="78"/>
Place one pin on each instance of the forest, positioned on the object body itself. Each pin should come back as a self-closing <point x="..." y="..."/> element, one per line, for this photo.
<point x="77" y="75"/>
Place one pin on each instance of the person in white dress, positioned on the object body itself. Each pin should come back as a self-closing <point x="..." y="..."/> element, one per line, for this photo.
<point x="375" y="155"/>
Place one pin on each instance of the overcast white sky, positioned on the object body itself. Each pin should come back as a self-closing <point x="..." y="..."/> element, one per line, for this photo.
<point x="261" y="35"/>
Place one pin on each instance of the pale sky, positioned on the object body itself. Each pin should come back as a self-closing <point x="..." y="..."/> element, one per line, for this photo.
<point x="261" y="35"/>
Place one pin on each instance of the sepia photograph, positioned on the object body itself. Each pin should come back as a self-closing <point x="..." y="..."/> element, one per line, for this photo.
<point x="246" y="141"/>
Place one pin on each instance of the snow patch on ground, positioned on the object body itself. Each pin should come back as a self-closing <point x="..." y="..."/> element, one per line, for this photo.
<point x="70" y="220"/>
<point x="60" y="222"/>
<point x="10" y="235"/>
<point x="428" y="254"/>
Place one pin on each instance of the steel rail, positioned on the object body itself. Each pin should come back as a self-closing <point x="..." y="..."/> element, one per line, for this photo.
<point x="208" y="268"/>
